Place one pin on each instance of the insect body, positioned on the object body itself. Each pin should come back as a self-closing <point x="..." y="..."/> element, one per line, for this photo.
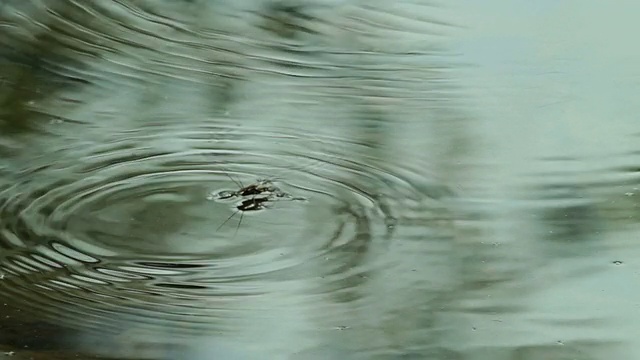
<point x="260" y="187"/>
<point x="252" y="204"/>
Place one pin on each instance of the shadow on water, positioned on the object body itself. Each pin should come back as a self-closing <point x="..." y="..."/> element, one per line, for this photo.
<point x="305" y="180"/>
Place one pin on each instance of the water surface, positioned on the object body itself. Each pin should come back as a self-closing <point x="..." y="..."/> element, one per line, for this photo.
<point x="446" y="181"/>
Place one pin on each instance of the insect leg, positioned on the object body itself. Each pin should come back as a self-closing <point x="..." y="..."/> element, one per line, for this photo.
<point x="239" y="222"/>
<point x="229" y="218"/>
<point x="238" y="183"/>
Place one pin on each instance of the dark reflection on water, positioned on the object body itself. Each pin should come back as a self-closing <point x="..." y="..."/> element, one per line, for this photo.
<point x="124" y="121"/>
<point x="292" y="180"/>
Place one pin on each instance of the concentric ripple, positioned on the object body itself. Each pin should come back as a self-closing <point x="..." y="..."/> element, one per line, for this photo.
<point x="125" y="226"/>
<point x="127" y="202"/>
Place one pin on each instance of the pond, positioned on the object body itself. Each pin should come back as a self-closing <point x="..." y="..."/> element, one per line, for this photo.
<point x="321" y="179"/>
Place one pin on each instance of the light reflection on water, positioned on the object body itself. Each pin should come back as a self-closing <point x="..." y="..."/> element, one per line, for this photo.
<point x="469" y="180"/>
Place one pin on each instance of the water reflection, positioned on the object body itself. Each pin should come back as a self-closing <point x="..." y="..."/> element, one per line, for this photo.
<point x="111" y="229"/>
<point x="406" y="214"/>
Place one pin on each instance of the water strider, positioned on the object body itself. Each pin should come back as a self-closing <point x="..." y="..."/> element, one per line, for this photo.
<point x="261" y="193"/>
<point x="261" y="186"/>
